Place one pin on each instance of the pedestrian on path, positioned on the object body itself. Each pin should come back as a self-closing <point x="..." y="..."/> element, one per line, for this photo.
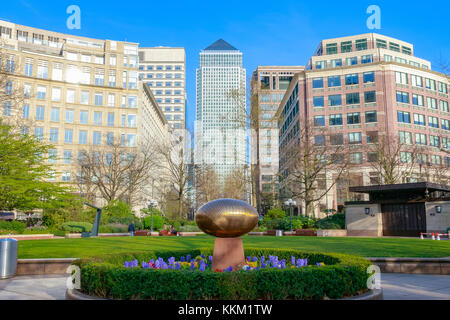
<point x="131" y="228"/>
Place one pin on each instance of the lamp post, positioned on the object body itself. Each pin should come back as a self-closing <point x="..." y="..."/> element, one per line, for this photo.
<point x="290" y="204"/>
<point x="152" y="204"/>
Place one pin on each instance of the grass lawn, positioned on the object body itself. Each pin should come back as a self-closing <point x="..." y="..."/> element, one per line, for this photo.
<point x="366" y="247"/>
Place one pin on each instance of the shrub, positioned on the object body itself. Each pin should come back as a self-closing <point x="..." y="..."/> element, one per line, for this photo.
<point x="157" y="222"/>
<point x="189" y="228"/>
<point x="336" y="221"/>
<point x="343" y="275"/>
<point x="36" y="230"/>
<point x="117" y="209"/>
<point x="275" y="213"/>
<point x="114" y="228"/>
<point x="16" y="226"/>
<point x="76" y="226"/>
<point x="124" y="221"/>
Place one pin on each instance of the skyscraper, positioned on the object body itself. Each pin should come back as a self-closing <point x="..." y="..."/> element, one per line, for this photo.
<point x="220" y="133"/>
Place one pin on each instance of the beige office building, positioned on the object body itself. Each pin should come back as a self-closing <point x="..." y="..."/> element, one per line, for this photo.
<point x="80" y="93"/>
<point x="163" y="69"/>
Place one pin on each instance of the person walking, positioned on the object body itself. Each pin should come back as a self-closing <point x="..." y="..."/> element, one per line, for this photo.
<point x="131" y="228"/>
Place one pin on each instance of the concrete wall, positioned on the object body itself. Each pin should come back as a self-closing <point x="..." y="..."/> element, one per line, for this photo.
<point x="360" y="224"/>
<point x="439" y="222"/>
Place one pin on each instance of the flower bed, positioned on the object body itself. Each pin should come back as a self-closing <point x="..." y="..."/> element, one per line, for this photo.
<point x="282" y="274"/>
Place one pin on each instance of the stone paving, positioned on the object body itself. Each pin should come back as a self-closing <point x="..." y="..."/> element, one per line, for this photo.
<point x="395" y="286"/>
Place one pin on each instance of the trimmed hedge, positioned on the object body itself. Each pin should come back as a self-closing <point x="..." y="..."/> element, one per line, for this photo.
<point x="74" y="226"/>
<point x="342" y="276"/>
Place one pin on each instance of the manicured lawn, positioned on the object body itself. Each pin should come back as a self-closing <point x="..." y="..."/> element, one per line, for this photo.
<point x="366" y="247"/>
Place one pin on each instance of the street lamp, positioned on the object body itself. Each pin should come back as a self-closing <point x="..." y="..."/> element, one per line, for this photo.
<point x="152" y="204"/>
<point x="290" y="204"/>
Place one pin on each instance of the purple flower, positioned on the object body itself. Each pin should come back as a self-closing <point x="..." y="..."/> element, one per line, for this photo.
<point x="202" y="265"/>
<point x="164" y="265"/>
<point x="203" y="256"/>
<point x="152" y="261"/>
<point x="188" y="258"/>
<point x="126" y="264"/>
<point x="254" y="259"/>
<point x="293" y="260"/>
<point x="182" y="259"/>
<point x="171" y="260"/>
<point x="263" y="259"/>
<point x="302" y="262"/>
<point x="229" y="269"/>
<point x="263" y="265"/>
<point x="177" y="266"/>
<point x="249" y="258"/>
<point x="210" y="258"/>
<point x="192" y="265"/>
<point x="157" y="264"/>
<point x="283" y="264"/>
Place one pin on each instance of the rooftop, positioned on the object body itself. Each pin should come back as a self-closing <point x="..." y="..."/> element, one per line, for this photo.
<point x="221" y="45"/>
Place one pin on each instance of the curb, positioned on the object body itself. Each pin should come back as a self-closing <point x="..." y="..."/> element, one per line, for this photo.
<point x="440" y="266"/>
<point x="377" y="294"/>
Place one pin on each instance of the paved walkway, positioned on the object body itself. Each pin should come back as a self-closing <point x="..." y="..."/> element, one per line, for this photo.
<point x="396" y="286"/>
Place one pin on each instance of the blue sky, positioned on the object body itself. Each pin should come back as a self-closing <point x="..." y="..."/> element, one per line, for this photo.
<point x="276" y="32"/>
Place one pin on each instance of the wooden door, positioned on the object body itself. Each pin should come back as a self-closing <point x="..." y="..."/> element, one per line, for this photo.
<point x="407" y="220"/>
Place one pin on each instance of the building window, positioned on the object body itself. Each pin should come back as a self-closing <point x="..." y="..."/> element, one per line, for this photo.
<point x="98" y="99"/>
<point x="401" y="78"/>
<point x="353" y="118"/>
<point x="432" y="103"/>
<point x="371" y="116"/>
<point x="331" y="48"/>
<point x="405" y="137"/>
<point x="416" y="81"/>
<point x="394" y="47"/>
<point x="419" y="119"/>
<point x="54" y="134"/>
<point x="337" y="139"/>
<point x="352" y="98"/>
<point x="435" y="141"/>
<point x="335" y="63"/>
<point x="41" y="92"/>
<point x="334" y="81"/>
<point x="54" y="115"/>
<point x="417" y="100"/>
<point x="361" y="44"/>
<point x="444" y="106"/>
<point x="69" y="116"/>
<point x="370" y="96"/>
<point x="421" y="138"/>
<point x="96" y="138"/>
<point x="82" y="138"/>
<point x="356" y="157"/>
<point x="346" y="46"/>
<point x="433" y="122"/>
<point x="321" y="64"/>
<point x="40" y="113"/>
<point x="317" y="83"/>
<point x="83" y="117"/>
<point x="381" y="44"/>
<point x="319" y="121"/>
<point x="319" y="140"/>
<point x="369" y="77"/>
<point x="52" y="155"/>
<point x="68" y="136"/>
<point x="402" y="97"/>
<point x="354" y="138"/>
<point x="351" y="61"/>
<point x="403" y="117"/>
<point x="97" y="118"/>
<point x="335" y="100"/>
<point x="318" y="102"/>
<point x="336" y="120"/>
<point x="367" y="59"/>
<point x="351" y="79"/>
<point x="67" y="156"/>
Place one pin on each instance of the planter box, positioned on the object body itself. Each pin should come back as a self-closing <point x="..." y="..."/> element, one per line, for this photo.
<point x="141" y="233"/>
<point x="73" y="235"/>
<point x="190" y="234"/>
<point x="305" y="232"/>
<point x="27" y="236"/>
<point x="331" y="233"/>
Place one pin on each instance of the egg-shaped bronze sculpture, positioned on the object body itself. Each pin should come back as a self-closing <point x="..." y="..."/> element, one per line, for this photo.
<point x="227" y="218"/>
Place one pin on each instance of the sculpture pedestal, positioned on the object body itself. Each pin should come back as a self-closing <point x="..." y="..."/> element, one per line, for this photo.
<point x="228" y="252"/>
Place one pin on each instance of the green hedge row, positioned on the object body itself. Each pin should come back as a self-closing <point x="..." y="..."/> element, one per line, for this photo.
<point x="343" y="275"/>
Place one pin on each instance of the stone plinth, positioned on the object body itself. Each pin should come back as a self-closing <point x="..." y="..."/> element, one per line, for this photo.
<point x="228" y="252"/>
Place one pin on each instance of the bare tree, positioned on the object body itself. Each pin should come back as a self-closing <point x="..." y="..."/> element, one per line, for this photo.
<point x="394" y="159"/>
<point x="116" y="172"/>
<point x="175" y="171"/>
<point x="311" y="160"/>
<point x="235" y="184"/>
<point x="207" y="187"/>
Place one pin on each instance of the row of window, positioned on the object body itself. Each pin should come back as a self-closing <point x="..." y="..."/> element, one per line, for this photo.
<point x="351" y="61"/>
<point x="350" y="98"/>
<point x="405" y="137"/>
<point x="161" y="76"/>
<point x="160" y="67"/>
<point x="129" y="101"/>
<point x="418" y="100"/>
<point x="349" y="80"/>
<point x="362" y="44"/>
<point x="352" y="118"/>
<point x="420" y="82"/>
<point x="128" y="140"/>
<point x="419" y="119"/>
<point x="84" y="76"/>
